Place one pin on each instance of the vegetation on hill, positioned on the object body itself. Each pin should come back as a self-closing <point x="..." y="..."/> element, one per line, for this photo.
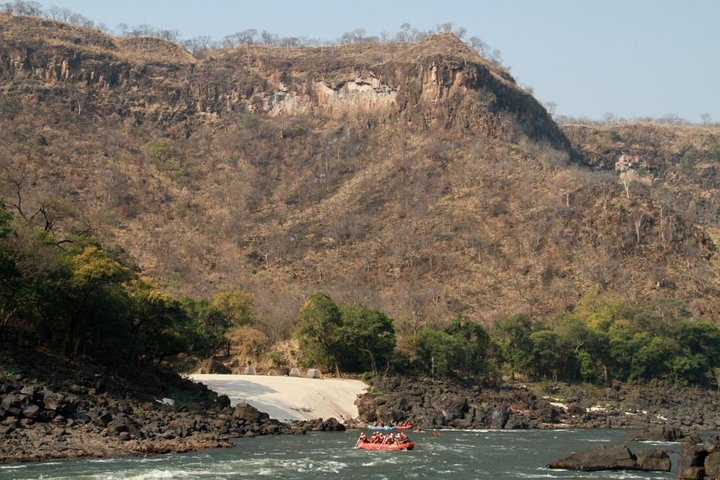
<point x="412" y="181"/>
<point x="80" y="299"/>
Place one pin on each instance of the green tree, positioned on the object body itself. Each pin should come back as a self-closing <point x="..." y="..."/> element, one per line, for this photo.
<point x="475" y="344"/>
<point x="9" y="273"/>
<point x="238" y="309"/>
<point x="653" y="357"/>
<point x="512" y="335"/>
<point x="96" y="304"/>
<point x="549" y="355"/>
<point x="461" y="347"/>
<point x="318" y="329"/>
<point x="160" y="325"/>
<point x="236" y="306"/>
<point x="589" y="346"/>
<point x="209" y="325"/>
<point x="369" y="332"/>
<point x="437" y="351"/>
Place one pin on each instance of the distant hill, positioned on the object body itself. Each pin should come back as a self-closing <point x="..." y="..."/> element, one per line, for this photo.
<point x="415" y="178"/>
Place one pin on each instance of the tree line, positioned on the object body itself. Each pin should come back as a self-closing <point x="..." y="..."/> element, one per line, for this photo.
<point x="599" y="341"/>
<point x="200" y="45"/>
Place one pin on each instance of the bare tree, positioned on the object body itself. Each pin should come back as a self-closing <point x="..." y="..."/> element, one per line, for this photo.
<point x="626" y="179"/>
<point x="267" y="38"/>
<point x="198" y="46"/>
<point x="638" y="219"/>
<point x="479" y="45"/>
<point x="21" y="7"/>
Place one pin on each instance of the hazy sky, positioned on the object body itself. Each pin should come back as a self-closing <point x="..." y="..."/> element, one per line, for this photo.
<point x="632" y="58"/>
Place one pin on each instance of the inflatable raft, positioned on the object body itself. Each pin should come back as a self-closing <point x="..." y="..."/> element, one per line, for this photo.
<point x="378" y="427"/>
<point x="386" y="446"/>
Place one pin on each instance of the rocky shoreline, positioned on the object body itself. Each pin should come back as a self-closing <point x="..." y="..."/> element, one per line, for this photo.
<point x="75" y="410"/>
<point x="433" y="403"/>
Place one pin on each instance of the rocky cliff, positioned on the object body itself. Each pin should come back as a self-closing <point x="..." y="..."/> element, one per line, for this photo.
<point x="438" y="82"/>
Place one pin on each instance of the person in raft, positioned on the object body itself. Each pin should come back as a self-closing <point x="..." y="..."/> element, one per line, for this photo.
<point x="388" y="439"/>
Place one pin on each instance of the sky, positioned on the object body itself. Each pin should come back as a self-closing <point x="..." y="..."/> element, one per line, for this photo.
<point x="628" y="58"/>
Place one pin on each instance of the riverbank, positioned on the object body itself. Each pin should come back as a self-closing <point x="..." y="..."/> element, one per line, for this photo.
<point x="432" y="403"/>
<point x="51" y="407"/>
<point x="290" y="398"/>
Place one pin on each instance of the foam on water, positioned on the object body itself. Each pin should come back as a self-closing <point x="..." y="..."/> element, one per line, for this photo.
<point x="460" y="455"/>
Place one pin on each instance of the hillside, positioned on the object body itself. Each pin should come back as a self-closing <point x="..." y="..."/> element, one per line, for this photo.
<point x="415" y="178"/>
<point x="681" y="160"/>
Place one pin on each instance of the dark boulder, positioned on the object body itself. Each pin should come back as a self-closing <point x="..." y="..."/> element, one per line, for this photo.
<point x="654" y="460"/>
<point x="660" y="434"/>
<point x="9" y="386"/>
<point x="248" y="413"/>
<point x="31" y="411"/>
<point x="10" y="400"/>
<point x="81" y="417"/>
<point x="517" y="422"/>
<point x="613" y="458"/>
<point x="712" y="465"/>
<point x="103" y="419"/>
<point x="691" y="463"/>
<point x="77" y="389"/>
<point x="575" y="410"/>
<point x="452" y="406"/>
<point x="548" y="414"/>
<point x="223" y="401"/>
<point x="499" y="416"/>
<point x="49" y="400"/>
<point x="332" y="425"/>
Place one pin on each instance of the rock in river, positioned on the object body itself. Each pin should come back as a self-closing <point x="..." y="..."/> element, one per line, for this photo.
<point x="614" y="458"/>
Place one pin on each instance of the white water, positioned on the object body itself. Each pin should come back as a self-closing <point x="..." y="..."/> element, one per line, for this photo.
<point x="461" y="455"/>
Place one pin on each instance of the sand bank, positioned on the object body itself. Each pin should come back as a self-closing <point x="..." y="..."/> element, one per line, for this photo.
<point x="290" y="398"/>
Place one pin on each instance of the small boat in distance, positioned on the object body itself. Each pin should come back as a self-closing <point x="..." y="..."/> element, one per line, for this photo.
<point x="391" y="426"/>
<point x="381" y="427"/>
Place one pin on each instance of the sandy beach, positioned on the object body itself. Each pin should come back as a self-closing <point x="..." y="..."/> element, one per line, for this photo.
<point x="290" y="398"/>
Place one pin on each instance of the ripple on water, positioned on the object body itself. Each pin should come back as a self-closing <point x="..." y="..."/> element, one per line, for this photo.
<point x="570" y="474"/>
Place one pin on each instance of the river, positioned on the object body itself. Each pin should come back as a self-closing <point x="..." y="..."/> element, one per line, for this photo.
<point x="457" y="455"/>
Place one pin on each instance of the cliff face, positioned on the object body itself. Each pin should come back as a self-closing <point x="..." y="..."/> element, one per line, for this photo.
<point x="440" y="82"/>
<point x="416" y="178"/>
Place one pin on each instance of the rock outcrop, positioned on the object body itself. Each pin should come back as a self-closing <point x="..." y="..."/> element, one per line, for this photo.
<point x="699" y="460"/>
<point x="438" y="82"/>
<point x="59" y="410"/>
<point x="432" y="403"/>
<point x="661" y="434"/>
<point x="614" y="458"/>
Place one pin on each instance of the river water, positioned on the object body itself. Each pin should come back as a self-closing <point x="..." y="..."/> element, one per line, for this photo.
<point x="482" y="454"/>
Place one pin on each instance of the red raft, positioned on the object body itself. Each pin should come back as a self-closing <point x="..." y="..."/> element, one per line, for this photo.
<point x="386" y="446"/>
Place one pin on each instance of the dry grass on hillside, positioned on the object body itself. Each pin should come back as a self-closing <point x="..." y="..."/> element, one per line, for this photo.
<point x="462" y="200"/>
